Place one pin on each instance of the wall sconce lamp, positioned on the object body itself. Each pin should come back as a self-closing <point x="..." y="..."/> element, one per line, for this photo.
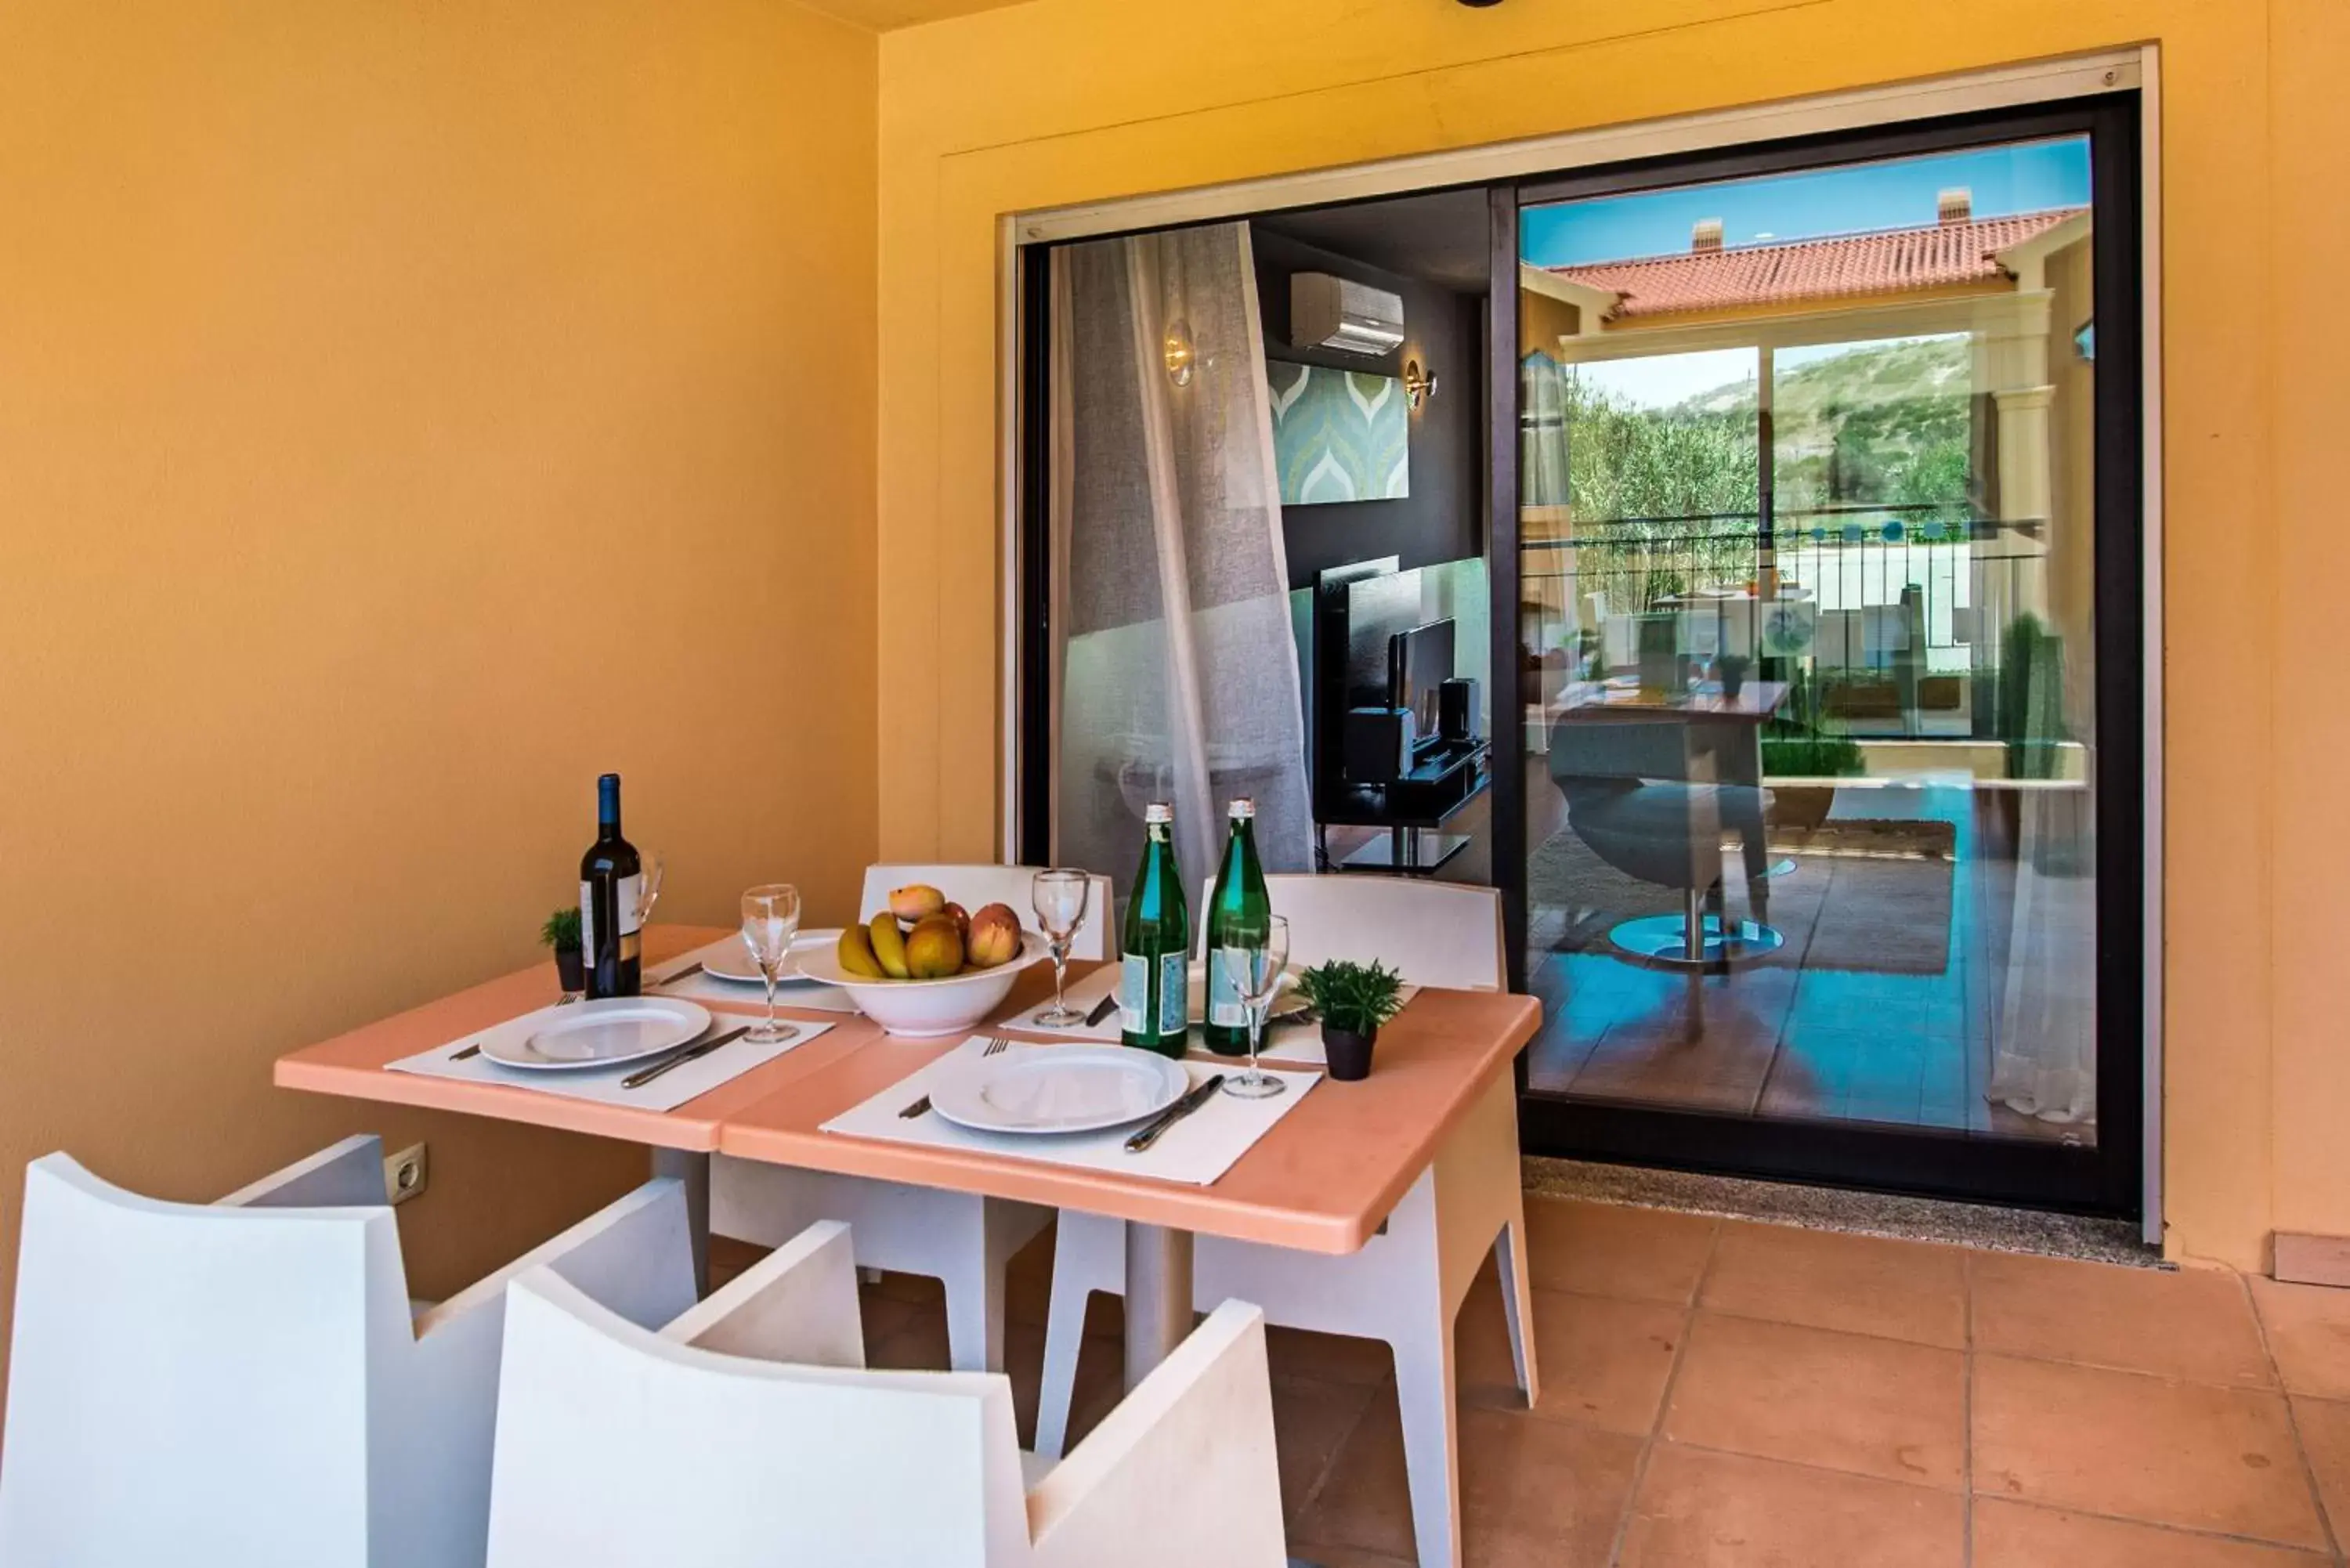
<point x="1178" y="352"/>
<point x="1418" y="385"/>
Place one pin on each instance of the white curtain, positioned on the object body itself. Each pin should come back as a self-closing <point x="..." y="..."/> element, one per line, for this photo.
<point x="1176" y="668"/>
<point x="2045" y="1062"/>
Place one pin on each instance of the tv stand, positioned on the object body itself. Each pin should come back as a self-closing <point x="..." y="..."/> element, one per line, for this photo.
<point x="1414" y="809"/>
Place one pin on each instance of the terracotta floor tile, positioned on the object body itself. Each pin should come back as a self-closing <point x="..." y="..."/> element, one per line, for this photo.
<point x="1638" y="1254"/>
<point x="1323" y="1554"/>
<point x="1028" y="1282"/>
<point x="919" y="1344"/>
<point x="1901" y="1290"/>
<point x="1601" y="1360"/>
<point x="1534" y="1494"/>
<point x="2018" y="1535"/>
<point x="883" y="1317"/>
<point x="2192" y="1323"/>
<point x="1725" y="1510"/>
<point x="2309" y="1331"/>
<point x="2324" y="1426"/>
<point x="1310" y="1419"/>
<point x="1842" y="1401"/>
<point x="1329" y="1357"/>
<point x="2190" y="1454"/>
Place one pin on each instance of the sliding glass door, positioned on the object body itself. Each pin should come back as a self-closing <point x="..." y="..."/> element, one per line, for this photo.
<point x="1819" y="534"/>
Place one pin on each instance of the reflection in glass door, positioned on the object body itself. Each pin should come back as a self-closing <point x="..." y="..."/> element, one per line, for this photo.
<point x="1815" y="666"/>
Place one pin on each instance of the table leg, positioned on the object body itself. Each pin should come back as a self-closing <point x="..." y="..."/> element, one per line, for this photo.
<point x="694" y="1170"/>
<point x="1158" y="1296"/>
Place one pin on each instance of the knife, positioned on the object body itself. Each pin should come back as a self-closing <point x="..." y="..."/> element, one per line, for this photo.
<point x="692" y="1053"/>
<point x="1102" y="1010"/>
<point x="688" y="972"/>
<point x="1175" y="1112"/>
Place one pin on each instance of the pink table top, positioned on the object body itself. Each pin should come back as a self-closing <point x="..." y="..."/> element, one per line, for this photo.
<point x="1321" y="1180"/>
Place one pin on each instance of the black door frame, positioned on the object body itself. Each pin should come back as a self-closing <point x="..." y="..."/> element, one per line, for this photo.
<point x="2107" y="1179"/>
<point x="2104" y="1180"/>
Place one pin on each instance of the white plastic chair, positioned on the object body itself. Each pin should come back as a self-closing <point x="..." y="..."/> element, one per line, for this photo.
<point x="243" y="1383"/>
<point x="962" y="1241"/>
<point x="701" y="1445"/>
<point x="1406" y="1285"/>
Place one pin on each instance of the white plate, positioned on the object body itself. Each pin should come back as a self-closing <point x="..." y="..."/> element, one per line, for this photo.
<point x="733" y="961"/>
<point x="1060" y="1089"/>
<point x="602" y="1034"/>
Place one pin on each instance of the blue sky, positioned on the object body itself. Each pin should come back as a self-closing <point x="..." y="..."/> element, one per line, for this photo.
<point x="2028" y="178"/>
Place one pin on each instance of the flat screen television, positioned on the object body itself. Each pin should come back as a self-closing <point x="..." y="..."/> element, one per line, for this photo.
<point x="1418" y="662"/>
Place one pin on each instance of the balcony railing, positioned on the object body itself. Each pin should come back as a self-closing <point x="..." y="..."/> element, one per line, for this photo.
<point x="1896" y="616"/>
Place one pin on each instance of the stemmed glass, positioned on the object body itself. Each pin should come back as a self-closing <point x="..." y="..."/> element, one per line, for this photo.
<point x="1257" y="970"/>
<point x="771" y="917"/>
<point x="1060" y="896"/>
<point x="649" y="886"/>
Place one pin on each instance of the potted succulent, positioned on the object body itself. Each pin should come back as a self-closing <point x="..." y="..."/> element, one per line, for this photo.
<point x="561" y="933"/>
<point x="1353" y="1000"/>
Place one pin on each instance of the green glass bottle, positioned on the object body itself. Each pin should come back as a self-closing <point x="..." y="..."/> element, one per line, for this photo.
<point x="1155" y="950"/>
<point x="1238" y="916"/>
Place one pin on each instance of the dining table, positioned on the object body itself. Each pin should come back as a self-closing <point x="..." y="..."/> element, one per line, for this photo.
<point x="1322" y="1179"/>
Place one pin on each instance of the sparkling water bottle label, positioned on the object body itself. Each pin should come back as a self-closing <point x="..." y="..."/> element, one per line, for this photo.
<point x="1174" y="987"/>
<point x="1225" y="1010"/>
<point x="1134" y="994"/>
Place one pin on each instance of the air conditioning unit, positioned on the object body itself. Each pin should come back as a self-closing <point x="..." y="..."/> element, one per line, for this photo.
<point x="1327" y="312"/>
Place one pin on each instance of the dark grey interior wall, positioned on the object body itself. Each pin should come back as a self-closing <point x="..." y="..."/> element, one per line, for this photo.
<point x="1442" y="519"/>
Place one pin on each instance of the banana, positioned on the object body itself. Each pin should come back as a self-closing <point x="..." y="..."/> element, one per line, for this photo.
<point x="888" y="946"/>
<point x="855" y="954"/>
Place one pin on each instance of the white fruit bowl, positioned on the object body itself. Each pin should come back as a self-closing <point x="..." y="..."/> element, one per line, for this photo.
<point x="926" y="1009"/>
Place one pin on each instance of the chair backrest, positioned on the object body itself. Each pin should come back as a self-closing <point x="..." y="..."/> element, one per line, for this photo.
<point x="192" y="1381"/>
<point x="617" y="1445"/>
<point x="972" y="885"/>
<point x="1434" y="933"/>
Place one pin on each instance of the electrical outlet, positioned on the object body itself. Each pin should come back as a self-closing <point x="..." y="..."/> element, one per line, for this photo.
<point x="404" y="1174"/>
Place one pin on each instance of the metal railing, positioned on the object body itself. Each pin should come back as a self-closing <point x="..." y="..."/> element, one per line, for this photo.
<point x="1895" y="615"/>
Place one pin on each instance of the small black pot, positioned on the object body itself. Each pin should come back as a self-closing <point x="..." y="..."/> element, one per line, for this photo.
<point x="1349" y="1054"/>
<point x="568" y="965"/>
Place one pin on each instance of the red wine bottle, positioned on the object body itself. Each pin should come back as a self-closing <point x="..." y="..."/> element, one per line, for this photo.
<point x="611" y="879"/>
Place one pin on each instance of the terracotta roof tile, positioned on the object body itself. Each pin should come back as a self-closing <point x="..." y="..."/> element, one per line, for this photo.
<point x="1889" y="260"/>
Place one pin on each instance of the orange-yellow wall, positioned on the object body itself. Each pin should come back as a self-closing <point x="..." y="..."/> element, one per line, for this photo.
<point x="406" y="412"/>
<point x="1073" y="100"/>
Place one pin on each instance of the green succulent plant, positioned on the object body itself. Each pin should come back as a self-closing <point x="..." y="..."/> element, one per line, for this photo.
<point x="1353" y="997"/>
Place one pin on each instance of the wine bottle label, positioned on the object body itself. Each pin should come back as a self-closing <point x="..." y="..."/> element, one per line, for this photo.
<point x="1174" y="999"/>
<point x="1225" y="1010"/>
<point x="631" y="888"/>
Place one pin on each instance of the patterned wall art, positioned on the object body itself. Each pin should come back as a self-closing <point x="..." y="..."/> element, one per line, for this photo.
<point x="1339" y="435"/>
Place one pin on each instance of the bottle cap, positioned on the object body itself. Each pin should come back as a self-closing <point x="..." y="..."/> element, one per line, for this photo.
<point x="1242" y="806"/>
<point x="1158" y="810"/>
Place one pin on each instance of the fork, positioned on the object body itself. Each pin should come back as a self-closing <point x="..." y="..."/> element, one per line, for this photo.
<point x="996" y="1046"/>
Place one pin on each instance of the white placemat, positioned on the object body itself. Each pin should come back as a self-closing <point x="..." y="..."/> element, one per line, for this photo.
<point x="1286" y="1044"/>
<point x="602" y="1084"/>
<point x="703" y="988"/>
<point x="1197" y="1150"/>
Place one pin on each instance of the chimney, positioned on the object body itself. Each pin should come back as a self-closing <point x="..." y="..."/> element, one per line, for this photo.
<point x="1954" y="206"/>
<point x="1706" y="235"/>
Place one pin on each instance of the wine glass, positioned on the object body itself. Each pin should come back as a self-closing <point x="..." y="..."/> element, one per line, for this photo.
<point x="1060" y="897"/>
<point x="649" y="886"/>
<point x="770" y="919"/>
<point x="1256" y="963"/>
